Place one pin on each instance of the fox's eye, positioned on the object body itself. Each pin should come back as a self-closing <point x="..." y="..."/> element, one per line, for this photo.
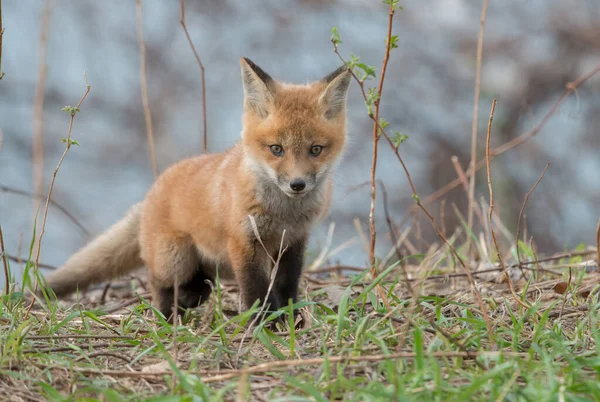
<point x="276" y="150"/>
<point x="316" y="150"/>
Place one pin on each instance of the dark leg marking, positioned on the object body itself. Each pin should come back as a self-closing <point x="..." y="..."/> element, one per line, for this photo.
<point x="196" y="291"/>
<point x="289" y="273"/>
<point x="163" y="298"/>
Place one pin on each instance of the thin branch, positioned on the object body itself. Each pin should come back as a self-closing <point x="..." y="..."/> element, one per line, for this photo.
<point x="205" y="133"/>
<point x="144" y="87"/>
<point x="285" y="364"/>
<point x="598" y="243"/>
<point x="377" y="102"/>
<point x="465" y="184"/>
<point x="38" y="107"/>
<point x="569" y="87"/>
<point x="491" y="211"/>
<point x="272" y="279"/>
<point x="471" y="191"/>
<point x="1" y="34"/>
<point x="62" y="209"/>
<point x="4" y="260"/>
<point x="73" y="112"/>
<point x="106" y="354"/>
<point x="418" y="200"/>
<point x="50" y="337"/>
<point x="175" y="324"/>
<point x="20" y="260"/>
<point x="376" y="141"/>
<point x="523" y="210"/>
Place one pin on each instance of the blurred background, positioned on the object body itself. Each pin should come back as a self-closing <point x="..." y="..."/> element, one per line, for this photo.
<point x="531" y="50"/>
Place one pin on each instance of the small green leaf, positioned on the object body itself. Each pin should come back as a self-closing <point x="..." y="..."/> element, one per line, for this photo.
<point x="393" y="42"/>
<point x="72" y="141"/>
<point x="416" y="197"/>
<point x="372" y="97"/>
<point x="71" y="109"/>
<point x="398" y="138"/>
<point x="335" y="37"/>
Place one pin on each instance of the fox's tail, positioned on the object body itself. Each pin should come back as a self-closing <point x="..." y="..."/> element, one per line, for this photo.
<point x="113" y="253"/>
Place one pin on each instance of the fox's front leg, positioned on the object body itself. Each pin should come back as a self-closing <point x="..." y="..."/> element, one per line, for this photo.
<point x="289" y="272"/>
<point x="250" y="264"/>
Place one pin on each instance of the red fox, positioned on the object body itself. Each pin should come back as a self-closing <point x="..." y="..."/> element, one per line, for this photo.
<point x="195" y="218"/>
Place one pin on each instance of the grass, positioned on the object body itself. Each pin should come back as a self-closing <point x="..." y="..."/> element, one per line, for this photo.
<point x="345" y="344"/>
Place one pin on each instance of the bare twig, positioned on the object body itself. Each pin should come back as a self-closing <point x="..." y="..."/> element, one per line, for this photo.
<point x="20" y="259"/>
<point x="1" y="34"/>
<point x="71" y="349"/>
<point x="491" y="211"/>
<point x="62" y="209"/>
<point x="205" y="133"/>
<point x="105" y="293"/>
<point x="376" y="142"/>
<point x="68" y="143"/>
<point x="272" y="279"/>
<point x="4" y="262"/>
<point x="418" y="200"/>
<point x="598" y="243"/>
<point x="569" y="87"/>
<point x="144" y="87"/>
<point x="372" y="258"/>
<point x="471" y="191"/>
<point x="465" y="184"/>
<point x="285" y="364"/>
<point x="38" y="107"/>
<point x="523" y="210"/>
<point x="119" y="355"/>
<point x="396" y="245"/>
<point x="175" y="324"/>
<point x="44" y="337"/>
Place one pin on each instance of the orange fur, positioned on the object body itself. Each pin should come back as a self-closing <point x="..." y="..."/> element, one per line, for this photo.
<point x="195" y="218"/>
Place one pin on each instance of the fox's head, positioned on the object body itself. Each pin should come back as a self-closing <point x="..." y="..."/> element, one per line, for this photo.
<point x="293" y="134"/>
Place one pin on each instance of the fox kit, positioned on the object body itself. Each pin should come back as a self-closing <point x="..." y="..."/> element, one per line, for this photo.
<point x="196" y="217"/>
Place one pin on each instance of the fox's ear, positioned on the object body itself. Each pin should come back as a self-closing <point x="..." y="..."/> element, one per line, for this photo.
<point x="333" y="98"/>
<point x="258" y="87"/>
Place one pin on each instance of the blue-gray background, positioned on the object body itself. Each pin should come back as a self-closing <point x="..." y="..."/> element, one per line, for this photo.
<point x="531" y="49"/>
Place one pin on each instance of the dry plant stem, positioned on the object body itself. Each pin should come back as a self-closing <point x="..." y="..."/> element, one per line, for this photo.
<point x="104" y="293"/>
<point x="38" y="107"/>
<point x="376" y="142"/>
<point x="45" y="337"/>
<point x="43" y="229"/>
<point x="19" y="259"/>
<point x="62" y="209"/>
<point x="523" y="210"/>
<point x="175" y="324"/>
<point x="144" y="87"/>
<point x="285" y="364"/>
<point x="463" y="178"/>
<point x="1" y="34"/>
<point x="106" y="354"/>
<point x="471" y="191"/>
<point x="377" y="102"/>
<point x="5" y="263"/>
<point x="396" y="245"/>
<point x="273" y="275"/>
<point x="491" y="211"/>
<point x="598" y="243"/>
<point x="570" y="87"/>
<point x="421" y="206"/>
<point x="205" y="133"/>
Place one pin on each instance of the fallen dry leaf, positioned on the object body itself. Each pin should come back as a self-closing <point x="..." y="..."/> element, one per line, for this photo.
<point x="560" y="287"/>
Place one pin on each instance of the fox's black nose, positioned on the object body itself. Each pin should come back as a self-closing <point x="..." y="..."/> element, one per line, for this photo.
<point x="298" y="185"/>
